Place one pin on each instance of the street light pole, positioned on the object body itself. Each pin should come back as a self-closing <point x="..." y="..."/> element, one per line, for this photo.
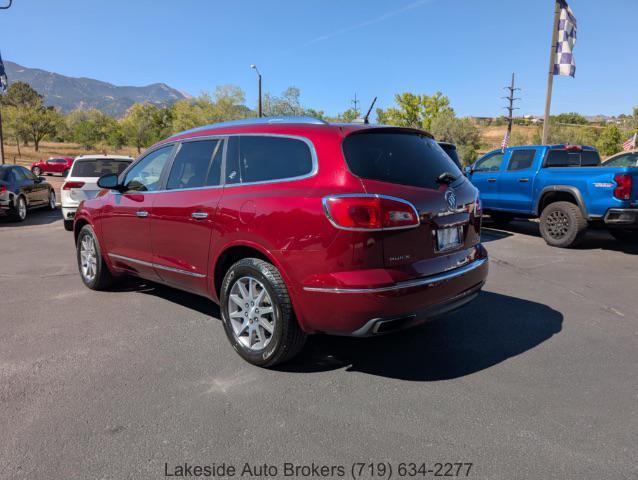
<point x="254" y="67"/>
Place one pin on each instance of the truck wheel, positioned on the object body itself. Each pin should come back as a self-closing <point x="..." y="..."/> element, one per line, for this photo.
<point x="257" y="314"/>
<point x="625" y="235"/>
<point x="501" y="218"/>
<point x="562" y="224"/>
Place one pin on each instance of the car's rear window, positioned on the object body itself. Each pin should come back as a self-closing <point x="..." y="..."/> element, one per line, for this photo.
<point x="403" y="158"/>
<point x="572" y="158"/>
<point x="4" y="174"/>
<point x="452" y="153"/>
<point x="98" y="167"/>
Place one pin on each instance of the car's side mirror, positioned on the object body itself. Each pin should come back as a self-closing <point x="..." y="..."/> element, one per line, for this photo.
<point x="109" y="181"/>
<point x="468" y="170"/>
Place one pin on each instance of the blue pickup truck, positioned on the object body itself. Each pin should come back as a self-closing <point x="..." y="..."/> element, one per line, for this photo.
<point x="564" y="185"/>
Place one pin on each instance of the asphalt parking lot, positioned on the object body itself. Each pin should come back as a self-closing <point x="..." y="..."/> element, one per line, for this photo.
<point x="538" y="378"/>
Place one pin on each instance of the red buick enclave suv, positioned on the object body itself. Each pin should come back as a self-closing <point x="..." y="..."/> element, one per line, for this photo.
<point x="294" y="226"/>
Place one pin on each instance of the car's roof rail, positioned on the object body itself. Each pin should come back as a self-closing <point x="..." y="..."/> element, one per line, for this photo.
<point x="258" y="121"/>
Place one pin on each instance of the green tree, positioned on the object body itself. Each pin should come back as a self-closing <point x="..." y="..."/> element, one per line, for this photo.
<point x="288" y="104"/>
<point x="139" y="125"/>
<point x="345" y="117"/>
<point x="21" y="95"/>
<point x="572" y="118"/>
<point x="37" y="123"/>
<point x="609" y="141"/>
<point x="460" y="131"/>
<point x="416" y="111"/>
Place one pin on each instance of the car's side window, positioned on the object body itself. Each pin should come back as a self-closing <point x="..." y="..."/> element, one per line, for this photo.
<point x="16" y="175"/>
<point x="24" y="174"/>
<point x="146" y="174"/>
<point x="196" y="164"/>
<point x="489" y="164"/>
<point x="263" y="158"/>
<point x="521" y="160"/>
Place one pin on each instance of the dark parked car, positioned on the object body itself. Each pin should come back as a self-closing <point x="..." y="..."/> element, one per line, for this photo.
<point x="21" y="190"/>
<point x="294" y="226"/>
<point x="451" y="151"/>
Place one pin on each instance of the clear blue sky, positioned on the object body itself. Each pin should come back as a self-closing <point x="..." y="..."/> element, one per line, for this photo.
<point x="331" y="49"/>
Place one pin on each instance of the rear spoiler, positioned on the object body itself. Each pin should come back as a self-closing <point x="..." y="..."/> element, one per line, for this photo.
<point x="390" y="129"/>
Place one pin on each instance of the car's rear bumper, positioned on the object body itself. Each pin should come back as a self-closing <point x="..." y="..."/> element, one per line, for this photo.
<point x="382" y="309"/>
<point x="622" y="217"/>
<point x="68" y="212"/>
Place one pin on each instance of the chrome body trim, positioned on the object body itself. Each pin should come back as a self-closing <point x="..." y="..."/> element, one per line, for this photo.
<point x="420" y="282"/>
<point x="156" y="265"/>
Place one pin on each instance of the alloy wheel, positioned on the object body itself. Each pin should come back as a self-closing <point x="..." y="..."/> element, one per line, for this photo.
<point x="52" y="200"/>
<point x="251" y="313"/>
<point x="22" y="208"/>
<point x="37" y="171"/>
<point x="557" y="224"/>
<point x="88" y="258"/>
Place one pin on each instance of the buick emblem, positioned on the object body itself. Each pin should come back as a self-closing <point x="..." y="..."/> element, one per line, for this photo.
<point x="450" y="199"/>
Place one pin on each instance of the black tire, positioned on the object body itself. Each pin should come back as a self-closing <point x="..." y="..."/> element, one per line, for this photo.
<point x="562" y="224"/>
<point x="68" y="225"/>
<point x="65" y="173"/>
<point x="52" y="200"/>
<point x="102" y="279"/>
<point x="37" y="171"/>
<point x="625" y="235"/>
<point x="20" y="210"/>
<point x="501" y="218"/>
<point x="287" y="338"/>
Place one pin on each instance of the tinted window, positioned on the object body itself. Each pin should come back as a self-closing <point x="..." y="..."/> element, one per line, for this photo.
<point x="489" y="164"/>
<point x="521" y="159"/>
<point x="5" y="174"/>
<point x="24" y="174"/>
<point x="98" y="167"/>
<point x="451" y="152"/>
<point x="259" y="159"/>
<point x="627" y="160"/>
<point x="196" y="164"/>
<point x="572" y="158"/>
<point x="403" y="158"/>
<point x="145" y="175"/>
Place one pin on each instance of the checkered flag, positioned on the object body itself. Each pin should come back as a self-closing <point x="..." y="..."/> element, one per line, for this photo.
<point x="564" y="62"/>
<point x="3" y="77"/>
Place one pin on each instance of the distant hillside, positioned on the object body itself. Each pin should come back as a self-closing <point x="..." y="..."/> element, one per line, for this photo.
<point x="69" y="93"/>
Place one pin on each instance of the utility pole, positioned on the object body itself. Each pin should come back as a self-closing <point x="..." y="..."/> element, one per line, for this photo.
<point x="510" y="108"/>
<point x="550" y="73"/>
<point x="355" y="102"/>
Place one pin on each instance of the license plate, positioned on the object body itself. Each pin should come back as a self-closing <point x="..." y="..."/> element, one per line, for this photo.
<point x="448" y="238"/>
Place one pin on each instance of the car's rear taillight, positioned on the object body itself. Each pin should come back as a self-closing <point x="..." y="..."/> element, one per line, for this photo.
<point x="370" y="212"/>
<point x="623" y="190"/>
<point x="3" y="188"/>
<point x="70" y="185"/>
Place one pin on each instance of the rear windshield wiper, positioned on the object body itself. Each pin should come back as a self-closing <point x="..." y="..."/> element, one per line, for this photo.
<point x="446" y="178"/>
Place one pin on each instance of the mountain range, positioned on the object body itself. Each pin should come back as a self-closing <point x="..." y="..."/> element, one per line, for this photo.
<point x="69" y="93"/>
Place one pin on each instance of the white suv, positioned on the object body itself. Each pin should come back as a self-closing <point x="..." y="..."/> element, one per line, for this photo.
<point x="81" y="183"/>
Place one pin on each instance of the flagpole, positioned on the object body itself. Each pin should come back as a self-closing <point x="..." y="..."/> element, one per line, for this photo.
<point x="1" y="139"/>
<point x="550" y="74"/>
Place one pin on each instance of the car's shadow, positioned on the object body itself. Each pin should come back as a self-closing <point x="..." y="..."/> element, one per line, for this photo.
<point x="488" y="331"/>
<point x="38" y="216"/>
<point x="485" y="333"/>
<point x="595" y="239"/>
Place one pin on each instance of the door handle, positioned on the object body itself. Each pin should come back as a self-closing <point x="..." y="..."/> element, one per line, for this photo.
<point x="491" y="180"/>
<point x="199" y="215"/>
<point x="142" y="213"/>
<point x="523" y="180"/>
